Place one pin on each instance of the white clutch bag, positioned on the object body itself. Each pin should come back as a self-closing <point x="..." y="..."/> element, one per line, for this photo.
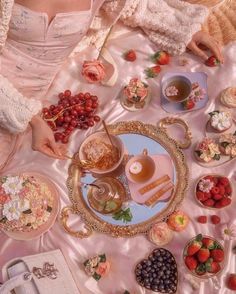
<point x="45" y="273"/>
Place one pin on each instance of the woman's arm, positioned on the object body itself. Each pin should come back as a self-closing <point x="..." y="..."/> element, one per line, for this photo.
<point x="173" y="25"/>
<point x="17" y="112"/>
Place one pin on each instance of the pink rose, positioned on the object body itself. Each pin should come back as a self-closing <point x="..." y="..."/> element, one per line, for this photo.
<point x="93" y="71"/>
<point x="103" y="268"/>
<point x="4" y="198"/>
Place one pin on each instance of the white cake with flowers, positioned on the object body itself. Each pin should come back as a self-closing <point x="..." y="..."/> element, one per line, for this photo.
<point x="26" y="203"/>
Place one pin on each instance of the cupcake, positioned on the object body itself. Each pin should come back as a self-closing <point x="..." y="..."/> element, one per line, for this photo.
<point x="220" y="121"/>
<point x="25" y="203"/>
<point x="228" y="97"/>
<point x="135" y="94"/>
<point x="227" y="143"/>
<point x="207" y="150"/>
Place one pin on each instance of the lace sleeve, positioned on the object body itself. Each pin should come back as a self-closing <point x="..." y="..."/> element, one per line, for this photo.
<point x="16" y="111"/>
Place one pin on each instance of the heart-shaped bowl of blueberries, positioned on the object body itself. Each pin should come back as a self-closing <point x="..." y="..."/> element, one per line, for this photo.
<point x="204" y="256"/>
<point x="158" y="272"/>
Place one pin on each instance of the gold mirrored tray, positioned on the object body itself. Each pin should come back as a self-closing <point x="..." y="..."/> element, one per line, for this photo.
<point x="135" y="136"/>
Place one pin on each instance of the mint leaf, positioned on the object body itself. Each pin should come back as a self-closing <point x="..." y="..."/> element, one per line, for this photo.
<point x="102" y="257"/>
<point x="198" y="237"/>
<point x="96" y="276"/>
<point x="123" y="215"/>
<point x="216" y="157"/>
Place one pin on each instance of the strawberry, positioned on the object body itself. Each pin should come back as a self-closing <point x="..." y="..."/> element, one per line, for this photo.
<point x="161" y="57"/>
<point x="212" y="266"/>
<point x="228" y="190"/>
<point x="209" y="202"/>
<point x="200" y="196"/>
<point x="188" y="104"/>
<point x="224" y="181"/>
<point x="217" y="255"/>
<point x="203" y="254"/>
<point x="153" y="71"/>
<point x="201" y="269"/>
<point x="212" y="61"/>
<point x="191" y="262"/>
<point x="215" y="190"/>
<point x="202" y="219"/>
<point x="225" y="201"/>
<point x="222" y="190"/>
<point x="130" y="55"/>
<point x="208" y="243"/>
<point x="217" y="197"/>
<point x="194" y="247"/>
<point x="231" y="282"/>
<point x="215" y="219"/>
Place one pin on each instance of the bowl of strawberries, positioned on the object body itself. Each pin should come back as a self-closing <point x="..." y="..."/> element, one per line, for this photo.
<point x="204" y="256"/>
<point x="213" y="191"/>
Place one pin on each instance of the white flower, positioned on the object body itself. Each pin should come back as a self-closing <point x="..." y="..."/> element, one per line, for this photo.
<point x="13" y="185"/>
<point x="171" y="91"/>
<point x="205" y="185"/>
<point x="228" y="231"/>
<point x="221" y="120"/>
<point x="13" y="209"/>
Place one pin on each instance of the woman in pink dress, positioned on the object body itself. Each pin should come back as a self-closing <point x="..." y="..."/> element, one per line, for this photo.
<point x="36" y="37"/>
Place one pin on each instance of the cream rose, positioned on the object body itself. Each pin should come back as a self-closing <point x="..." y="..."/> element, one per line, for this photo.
<point x="160" y="234"/>
<point x="93" y="71"/>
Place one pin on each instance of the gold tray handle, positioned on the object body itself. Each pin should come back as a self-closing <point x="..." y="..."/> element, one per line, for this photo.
<point x="167" y="121"/>
<point x="64" y="219"/>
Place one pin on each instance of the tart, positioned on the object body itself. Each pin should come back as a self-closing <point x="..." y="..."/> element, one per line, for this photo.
<point x="207" y="150"/>
<point x="220" y="121"/>
<point x="228" y="97"/>
<point x="135" y="94"/>
<point x="227" y="144"/>
<point x="26" y="203"/>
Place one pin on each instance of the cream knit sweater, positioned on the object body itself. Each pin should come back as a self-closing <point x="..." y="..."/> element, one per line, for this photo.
<point x="168" y="23"/>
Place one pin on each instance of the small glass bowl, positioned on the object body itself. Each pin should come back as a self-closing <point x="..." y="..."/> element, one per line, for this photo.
<point x="209" y="207"/>
<point x="206" y="275"/>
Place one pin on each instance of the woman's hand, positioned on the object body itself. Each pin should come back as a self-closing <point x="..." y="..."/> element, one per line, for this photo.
<point x="43" y="139"/>
<point x="202" y="38"/>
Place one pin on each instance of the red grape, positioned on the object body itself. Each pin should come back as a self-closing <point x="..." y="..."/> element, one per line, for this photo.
<point x="88" y="109"/>
<point x="96" y="118"/>
<point x="90" y="123"/>
<point x="94" y="98"/>
<point x="65" y="140"/>
<point x="58" y="136"/>
<point x="61" y="96"/>
<point x="67" y="119"/>
<point x="80" y="95"/>
<point x="94" y="105"/>
<point x="67" y="93"/>
<point x="52" y="107"/>
<point x="87" y="95"/>
<point x="73" y="123"/>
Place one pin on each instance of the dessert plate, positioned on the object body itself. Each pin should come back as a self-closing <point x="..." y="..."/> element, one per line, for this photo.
<point x="26" y="236"/>
<point x="195" y="77"/>
<point x="135" y="136"/>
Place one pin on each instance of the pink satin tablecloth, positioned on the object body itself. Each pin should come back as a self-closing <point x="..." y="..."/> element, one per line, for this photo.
<point x="125" y="253"/>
